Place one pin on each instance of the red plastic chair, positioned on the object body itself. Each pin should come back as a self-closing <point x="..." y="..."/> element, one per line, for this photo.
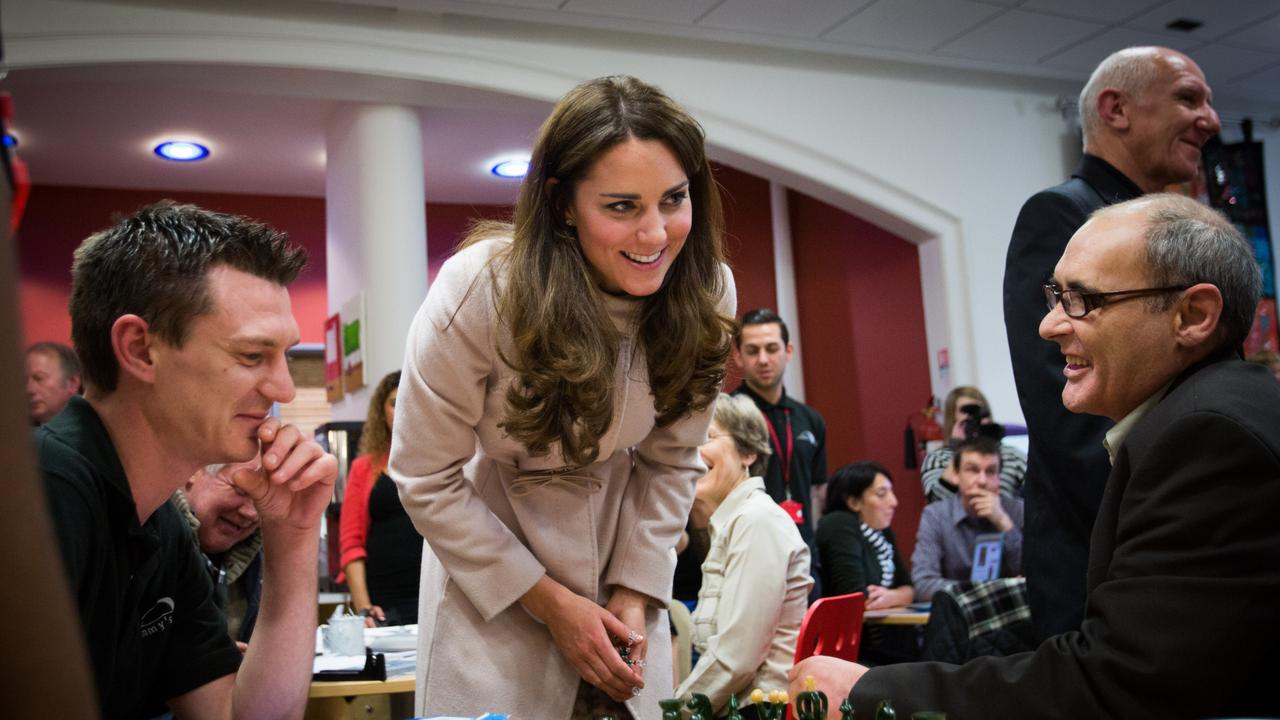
<point x="832" y="627"/>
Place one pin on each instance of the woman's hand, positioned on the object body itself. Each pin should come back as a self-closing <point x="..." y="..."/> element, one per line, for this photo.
<point x="879" y="597"/>
<point x="373" y="615"/>
<point x="581" y="630"/>
<point x="629" y="606"/>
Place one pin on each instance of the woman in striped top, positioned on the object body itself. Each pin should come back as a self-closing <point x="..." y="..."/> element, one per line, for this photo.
<point x="859" y="555"/>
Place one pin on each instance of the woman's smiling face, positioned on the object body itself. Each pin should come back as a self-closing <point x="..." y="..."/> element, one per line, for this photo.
<point x="632" y="214"/>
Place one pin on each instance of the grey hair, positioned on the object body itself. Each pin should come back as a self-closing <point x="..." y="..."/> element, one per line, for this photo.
<point x="1187" y="243"/>
<point x="1131" y="71"/>
<point x="738" y="416"/>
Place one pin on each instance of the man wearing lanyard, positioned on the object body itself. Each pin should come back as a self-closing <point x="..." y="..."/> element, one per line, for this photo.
<point x="798" y="436"/>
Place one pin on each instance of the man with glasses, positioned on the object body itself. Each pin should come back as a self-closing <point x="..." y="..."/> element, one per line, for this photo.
<point x="1148" y="308"/>
<point x="1144" y="113"/>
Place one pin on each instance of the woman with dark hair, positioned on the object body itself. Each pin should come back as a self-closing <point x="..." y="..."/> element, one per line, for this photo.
<point x="854" y="539"/>
<point x="381" y="552"/>
<point x="557" y="384"/>
<point x="859" y="555"/>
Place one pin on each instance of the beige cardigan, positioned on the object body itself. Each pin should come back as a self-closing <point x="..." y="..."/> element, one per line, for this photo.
<point x="613" y="523"/>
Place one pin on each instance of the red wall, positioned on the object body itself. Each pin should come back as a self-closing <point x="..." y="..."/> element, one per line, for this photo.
<point x="748" y="244"/>
<point x="447" y="223"/>
<point x="865" y="359"/>
<point x="59" y="218"/>
<point x="748" y="240"/>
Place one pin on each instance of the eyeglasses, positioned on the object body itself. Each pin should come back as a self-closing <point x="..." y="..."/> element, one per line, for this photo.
<point x="1078" y="304"/>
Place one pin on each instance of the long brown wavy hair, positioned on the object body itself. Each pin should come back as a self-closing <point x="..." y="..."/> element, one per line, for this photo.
<point x="564" y="344"/>
<point x="375" y="438"/>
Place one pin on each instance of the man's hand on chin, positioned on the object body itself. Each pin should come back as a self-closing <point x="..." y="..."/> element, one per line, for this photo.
<point x="294" y="484"/>
<point x="833" y="676"/>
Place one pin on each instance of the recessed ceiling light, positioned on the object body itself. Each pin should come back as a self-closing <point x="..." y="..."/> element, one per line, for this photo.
<point x="514" y="168"/>
<point x="182" y="151"/>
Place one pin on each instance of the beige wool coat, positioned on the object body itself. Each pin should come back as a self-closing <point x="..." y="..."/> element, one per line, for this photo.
<point x="496" y="518"/>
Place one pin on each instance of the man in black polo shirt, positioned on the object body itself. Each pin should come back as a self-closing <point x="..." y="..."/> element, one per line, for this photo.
<point x="798" y="466"/>
<point x="181" y="320"/>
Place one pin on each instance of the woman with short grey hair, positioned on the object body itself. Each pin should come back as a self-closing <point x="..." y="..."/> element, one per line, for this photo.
<point x="755" y="579"/>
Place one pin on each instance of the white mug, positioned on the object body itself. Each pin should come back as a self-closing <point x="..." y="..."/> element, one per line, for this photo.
<point x="345" y="635"/>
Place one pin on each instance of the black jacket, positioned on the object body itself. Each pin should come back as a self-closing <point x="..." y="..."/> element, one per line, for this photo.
<point x="1067" y="466"/>
<point x="1184" y="572"/>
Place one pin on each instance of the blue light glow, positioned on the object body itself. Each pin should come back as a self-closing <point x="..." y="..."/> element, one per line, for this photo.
<point x="510" y="168"/>
<point x="180" y="151"/>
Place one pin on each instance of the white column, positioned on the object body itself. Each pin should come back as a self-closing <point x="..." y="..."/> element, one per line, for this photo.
<point x="784" y="274"/>
<point x="375" y="231"/>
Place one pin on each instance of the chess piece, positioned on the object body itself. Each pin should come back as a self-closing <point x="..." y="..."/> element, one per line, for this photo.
<point x="812" y="703"/>
<point x="846" y="710"/>
<point x="885" y="711"/>
<point x="701" y="706"/>
<point x="671" y="708"/>
<point x="732" y="711"/>
<point x="770" y="707"/>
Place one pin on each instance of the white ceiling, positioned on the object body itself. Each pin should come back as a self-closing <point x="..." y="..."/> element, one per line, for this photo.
<point x="270" y="140"/>
<point x="1238" y="44"/>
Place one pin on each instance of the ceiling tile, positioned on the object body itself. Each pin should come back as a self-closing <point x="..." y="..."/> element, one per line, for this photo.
<point x="798" y="19"/>
<point x="1018" y="36"/>
<point x="1264" y="34"/>
<point x="914" y="25"/>
<point x="1218" y="17"/>
<point x="1223" y="63"/>
<point x="682" y="12"/>
<point x="1085" y="56"/>
<point x="543" y="4"/>
<point x="1105" y="11"/>
<point x="1264" y="85"/>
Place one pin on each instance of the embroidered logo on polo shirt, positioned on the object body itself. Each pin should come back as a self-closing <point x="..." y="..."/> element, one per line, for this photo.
<point x="159" y="618"/>
<point x="807" y="436"/>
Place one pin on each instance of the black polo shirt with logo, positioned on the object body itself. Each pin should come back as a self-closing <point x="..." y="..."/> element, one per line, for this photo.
<point x="807" y="457"/>
<point x="146" y="603"/>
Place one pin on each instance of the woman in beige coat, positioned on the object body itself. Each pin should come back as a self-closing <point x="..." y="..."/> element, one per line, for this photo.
<point x="556" y="387"/>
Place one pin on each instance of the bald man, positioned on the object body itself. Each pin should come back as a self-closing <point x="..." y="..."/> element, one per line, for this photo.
<point x="1145" y="113"/>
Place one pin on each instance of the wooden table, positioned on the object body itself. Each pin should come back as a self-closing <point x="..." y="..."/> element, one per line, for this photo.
<point x="349" y="699"/>
<point x="901" y="615"/>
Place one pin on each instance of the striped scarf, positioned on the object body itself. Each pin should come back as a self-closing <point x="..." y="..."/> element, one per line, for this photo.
<point x="884" y="553"/>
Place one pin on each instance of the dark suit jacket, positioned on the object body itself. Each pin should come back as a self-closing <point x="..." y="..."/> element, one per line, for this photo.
<point x="1184" y="578"/>
<point x="1067" y="466"/>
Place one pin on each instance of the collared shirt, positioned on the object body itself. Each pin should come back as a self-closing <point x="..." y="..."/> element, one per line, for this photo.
<point x="755" y="589"/>
<point x="945" y="543"/>
<point x="1118" y="432"/>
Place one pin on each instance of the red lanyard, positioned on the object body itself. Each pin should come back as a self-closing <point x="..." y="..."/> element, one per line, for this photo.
<point x="783" y="461"/>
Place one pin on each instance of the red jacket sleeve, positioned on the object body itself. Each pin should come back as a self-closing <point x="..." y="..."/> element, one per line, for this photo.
<point x="353" y="526"/>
